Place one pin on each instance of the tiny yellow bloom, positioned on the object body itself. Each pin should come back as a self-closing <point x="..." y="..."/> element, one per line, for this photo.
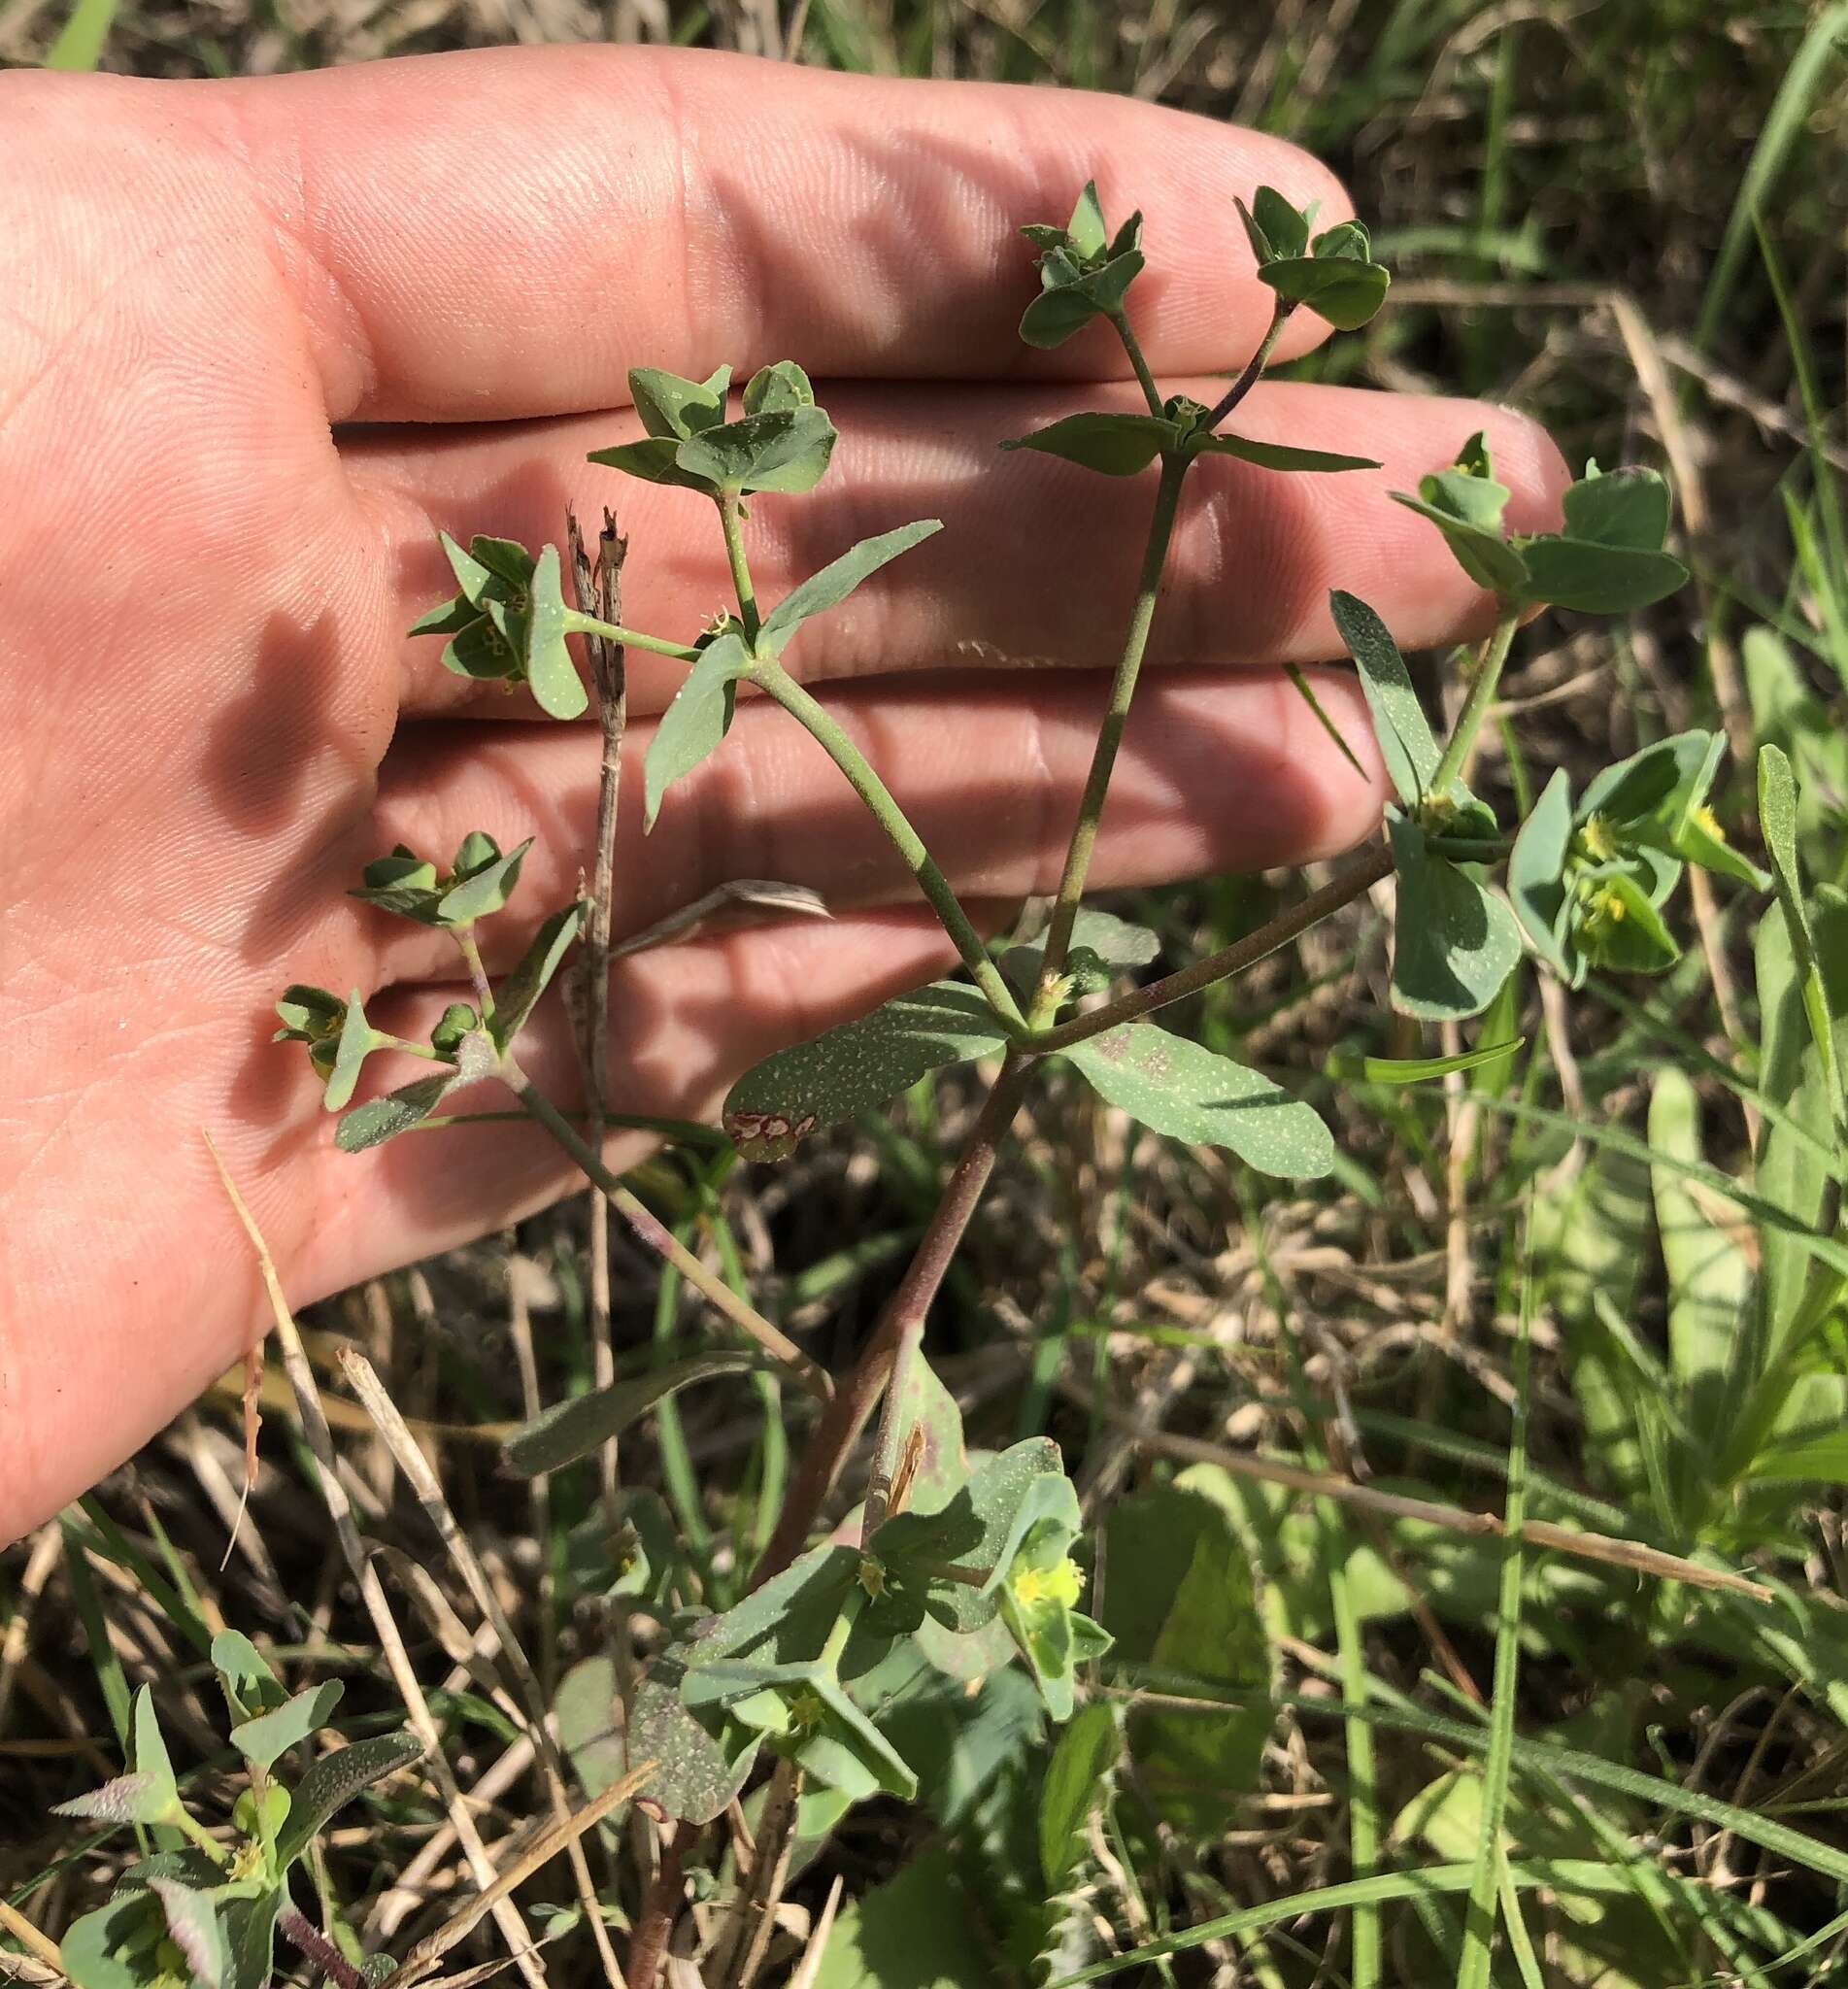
<point x="1062" y="1585"/>
<point x="871" y="1574"/>
<point x="1596" y="839"/>
<point x="1705" y="819"/>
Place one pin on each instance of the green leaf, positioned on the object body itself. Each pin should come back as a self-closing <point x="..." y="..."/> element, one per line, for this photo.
<point x="1627" y="508"/>
<point x="1087" y="231"/>
<point x="1615" y="924"/>
<point x="1809" y="1461"/>
<point x="248" y="1684"/>
<point x="698" y="718"/>
<point x="1453" y="943"/>
<point x="1778" y="823"/>
<point x="250" y="1926"/>
<point x="192" y="1921"/>
<point x="1191" y="1093"/>
<point x="672" y="406"/>
<point x="655" y="460"/>
<point x="1181" y="1597"/>
<point x="335" y="1779"/>
<point x="1102" y="946"/>
<point x="1340" y="289"/>
<point x="779" y="387"/>
<point x="1404" y="734"/>
<point x="574" y="1429"/>
<point x="784" y="448"/>
<point x="1480" y="552"/>
<point x="1274" y="455"/>
<point x="87" y="1951"/>
<point x="1707" y="1273"/>
<point x="147" y="1793"/>
<point x="380" y="1119"/>
<point x="517" y="995"/>
<point x="551" y="675"/>
<point x="1077" y="1780"/>
<point x="483" y="877"/>
<point x="1419" y="1070"/>
<point x="695" y="1777"/>
<point x="1536" y="877"/>
<point x="588" y="1708"/>
<point x="859" y="1066"/>
<point x="1118" y="445"/>
<point x="1595" y="580"/>
<point x="916" y="1930"/>
<point x="271" y="1735"/>
<point x="1276" y="229"/>
<point x="354" y="1044"/>
<point x="838" y="579"/>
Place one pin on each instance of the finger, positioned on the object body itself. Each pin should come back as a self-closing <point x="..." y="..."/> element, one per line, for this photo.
<point x="506" y="232"/>
<point x="1037" y="560"/>
<point x="1218" y="770"/>
<point x="685" y="1022"/>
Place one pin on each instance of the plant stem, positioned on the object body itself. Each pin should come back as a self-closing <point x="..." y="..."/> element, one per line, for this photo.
<point x="841" y="1628"/>
<point x="890" y="1442"/>
<point x="1481" y="695"/>
<point x="189" y="1826"/>
<point x="464" y="939"/>
<point x="772" y="678"/>
<point x="1340" y="890"/>
<point x="658" y="1239"/>
<point x="1104" y="760"/>
<point x="1253" y="370"/>
<point x="732" y="526"/>
<point x="579" y="623"/>
<point x="846" y="1415"/>
<point x="1150" y="392"/>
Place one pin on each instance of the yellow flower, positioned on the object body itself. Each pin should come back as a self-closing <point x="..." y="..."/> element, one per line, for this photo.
<point x="1705" y="819"/>
<point x="1062" y="1585"/>
<point x="1596" y="839"/>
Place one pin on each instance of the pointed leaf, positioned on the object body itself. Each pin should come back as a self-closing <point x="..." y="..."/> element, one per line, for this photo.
<point x="1085" y="230"/>
<point x="249" y="1928"/>
<point x="786" y="449"/>
<point x="333" y="1782"/>
<point x="1119" y="445"/>
<point x="1421" y="1070"/>
<point x="516" y="997"/>
<point x="1077" y="1783"/>
<point x="129" y="1799"/>
<point x="272" y="1734"/>
<point x="575" y="1428"/>
<point x="672" y="406"/>
<point x="1399" y="724"/>
<point x="1484" y="555"/>
<point x="655" y="460"/>
<point x="1536" y="874"/>
<point x="192" y="1920"/>
<point x="694" y="722"/>
<point x="380" y="1119"/>
<point x="839" y="578"/>
<point x="1454" y="943"/>
<point x="248" y="1684"/>
<point x="1190" y="1092"/>
<point x="858" y="1066"/>
<point x="1277" y="456"/>
<point x="1778" y="823"/>
<point x="87" y="1952"/>
<point x="483" y="890"/>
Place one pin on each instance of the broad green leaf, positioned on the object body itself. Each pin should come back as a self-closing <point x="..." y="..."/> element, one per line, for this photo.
<point x="1652" y="783"/>
<point x="1453" y="943"/>
<point x="271" y="1735"/>
<point x="250" y="1929"/>
<point x="353" y="1045"/>
<point x="551" y="675"/>
<point x="1340" y="289"/>
<point x="858" y="1066"/>
<point x="335" y="1779"/>
<point x="779" y="387"/>
<point x="516" y="996"/>
<point x="672" y="406"/>
<point x="1626" y="507"/>
<point x="1596" y="580"/>
<point x="380" y="1119"/>
<point x="1276" y="456"/>
<point x="587" y="1708"/>
<point x="838" y="579"/>
<point x="916" y="1930"/>
<point x="1119" y="445"/>
<point x="1277" y="230"/>
<point x="1617" y="923"/>
<point x="1101" y="947"/>
<point x="1778" y="823"/>
<point x="87" y="1951"/>
<point x="1536" y="876"/>
<point x="147" y="1792"/>
<point x="192" y="1921"/>
<point x="1814" y="1461"/>
<point x="1181" y="1597"/>
<point x="484" y="877"/>
<point x="1077" y="1780"/>
<point x="575" y="1428"/>
<point x="808" y="1716"/>
<point x="1480" y="549"/>
<point x="248" y="1684"/>
<point x="1404" y="734"/>
<point x="698" y="718"/>
<point x="784" y="449"/>
<point x="695" y="1777"/>
<point x="1191" y="1093"/>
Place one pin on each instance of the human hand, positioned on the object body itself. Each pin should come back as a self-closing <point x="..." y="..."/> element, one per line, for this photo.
<point x="228" y="304"/>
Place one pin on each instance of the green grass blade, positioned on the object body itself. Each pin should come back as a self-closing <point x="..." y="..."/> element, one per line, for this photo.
<point x="1364" y="1816"/>
<point x="83" y="37"/>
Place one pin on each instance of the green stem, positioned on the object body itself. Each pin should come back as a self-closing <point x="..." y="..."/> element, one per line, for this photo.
<point x="189" y="1825"/>
<point x="658" y="1237"/>
<point x="427" y="1051"/>
<point x="1071" y="885"/>
<point x="1481" y="695"/>
<point x="730" y="524"/>
<point x="772" y="678"/>
<point x="1150" y="392"/>
<point x="843" y="1628"/>
<point x="891" y="1442"/>
<point x="579" y="623"/>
